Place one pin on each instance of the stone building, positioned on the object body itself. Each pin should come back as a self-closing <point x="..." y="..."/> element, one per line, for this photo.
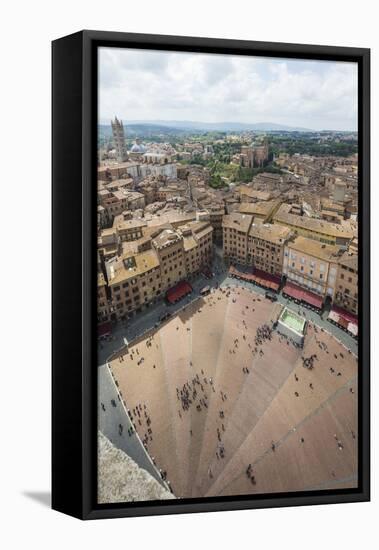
<point x="312" y="265"/>
<point x="265" y="247"/>
<point x="119" y="139"/>
<point x="103" y="307"/>
<point x="128" y="200"/>
<point x="118" y="200"/>
<point x="216" y="215"/>
<point x="108" y="244"/>
<point x="236" y="228"/>
<point x="249" y="194"/>
<point x="269" y="181"/>
<point x="346" y="295"/>
<point x="138" y="169"/>
<point x="138" y="279"/>
<point x="129" y="230"/>
<point x="135" y="281"/>
<point x="103" y="220"/>
<point x="263" y="210"/>
<point x="312" y="228"/>
<point x="255" y="155"/>
<point x="169" y="247"/>
<point x="197" y="237"/>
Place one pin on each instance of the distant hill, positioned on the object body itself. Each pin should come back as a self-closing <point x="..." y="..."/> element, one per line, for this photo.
<point x="135" y="127"/>
<point x="229" y="126"/>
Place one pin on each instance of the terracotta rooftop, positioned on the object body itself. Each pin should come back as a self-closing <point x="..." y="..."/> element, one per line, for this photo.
<point x="327" y="228"/>
<point x="263" y="208"/>
<point x="165" y="237"/>
<point x="270" y="232"/>
<point x="134" y="265"/>
<point x="327" y="252"/>
<point x="238" y="221"/>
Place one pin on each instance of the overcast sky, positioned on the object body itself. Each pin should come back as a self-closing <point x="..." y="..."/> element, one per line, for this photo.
<point x="156" y="85"/>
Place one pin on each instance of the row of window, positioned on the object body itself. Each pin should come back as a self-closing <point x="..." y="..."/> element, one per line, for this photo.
<point x="321" y="276"/>
<point x="347" y="291"/>
<point x="349" y="279"/>
<point x="309" y="283"/>
<point x="263" y="244"/>
<point x="293" y="256"/>
<point x="262" y="254"/>
<point x="348" y="269"/>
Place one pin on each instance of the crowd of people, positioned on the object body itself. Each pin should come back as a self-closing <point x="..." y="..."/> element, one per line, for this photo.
<point x="139" y="415"/>
<point x="193" y="392"/>
<point x="308" y="362"/>
<point x="264" y="332"/>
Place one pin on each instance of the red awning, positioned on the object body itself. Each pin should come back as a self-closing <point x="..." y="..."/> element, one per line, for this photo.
<point x="312" y="299"/>
<point x="268" y="277"/>
<point x="298" y="293"/>
<point x="350" y="317"/>
<point x="178" y="291"/>
<point x="259" y="277"/>
<point x="344" y="319"/>
<point x="292" y="291"/>
<point x="344" y="323"/>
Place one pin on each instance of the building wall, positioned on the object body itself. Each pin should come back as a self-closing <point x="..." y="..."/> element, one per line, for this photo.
<point x="136" y="170"/>
<point x="235" y="245"/>
<point x="265" y="255"/>
<point x="103" y="309"/>
<point x="102" y="218"/>
<point x="119" y="140"/>
<point x="136" y="292"/>
<point x="149" y="193"/>
<point x="130" y="233"/>
<point x="313" y="234"/>
<point x="175" y="264"/>
<point x="201" y="255"/>
<point x="134" y="203"/>
<point x="312" y="273"/>
<point x="115" y="205"/>
<point x="346" y="295"/>
<point x="254" y="156"/>
<point x="172" y="262"/>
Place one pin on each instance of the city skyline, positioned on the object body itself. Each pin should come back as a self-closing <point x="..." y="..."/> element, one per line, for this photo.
<point x="208" y="88"/>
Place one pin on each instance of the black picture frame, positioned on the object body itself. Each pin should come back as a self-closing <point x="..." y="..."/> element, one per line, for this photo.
<point x="74" y="380"/>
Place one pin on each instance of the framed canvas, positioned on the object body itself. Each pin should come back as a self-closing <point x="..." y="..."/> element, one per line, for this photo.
<point x="211" y="303"/>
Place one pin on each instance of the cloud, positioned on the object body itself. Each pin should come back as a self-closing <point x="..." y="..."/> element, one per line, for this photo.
<point x="158" y="85"/>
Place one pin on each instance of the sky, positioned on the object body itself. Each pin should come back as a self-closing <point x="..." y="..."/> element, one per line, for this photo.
<point x="160" y="85"/>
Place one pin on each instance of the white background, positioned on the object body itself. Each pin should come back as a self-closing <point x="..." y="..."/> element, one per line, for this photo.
<point x="27" y="29"/>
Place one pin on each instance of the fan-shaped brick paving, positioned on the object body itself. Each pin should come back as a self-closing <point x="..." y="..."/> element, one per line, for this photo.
<point x="209" y="398"/>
